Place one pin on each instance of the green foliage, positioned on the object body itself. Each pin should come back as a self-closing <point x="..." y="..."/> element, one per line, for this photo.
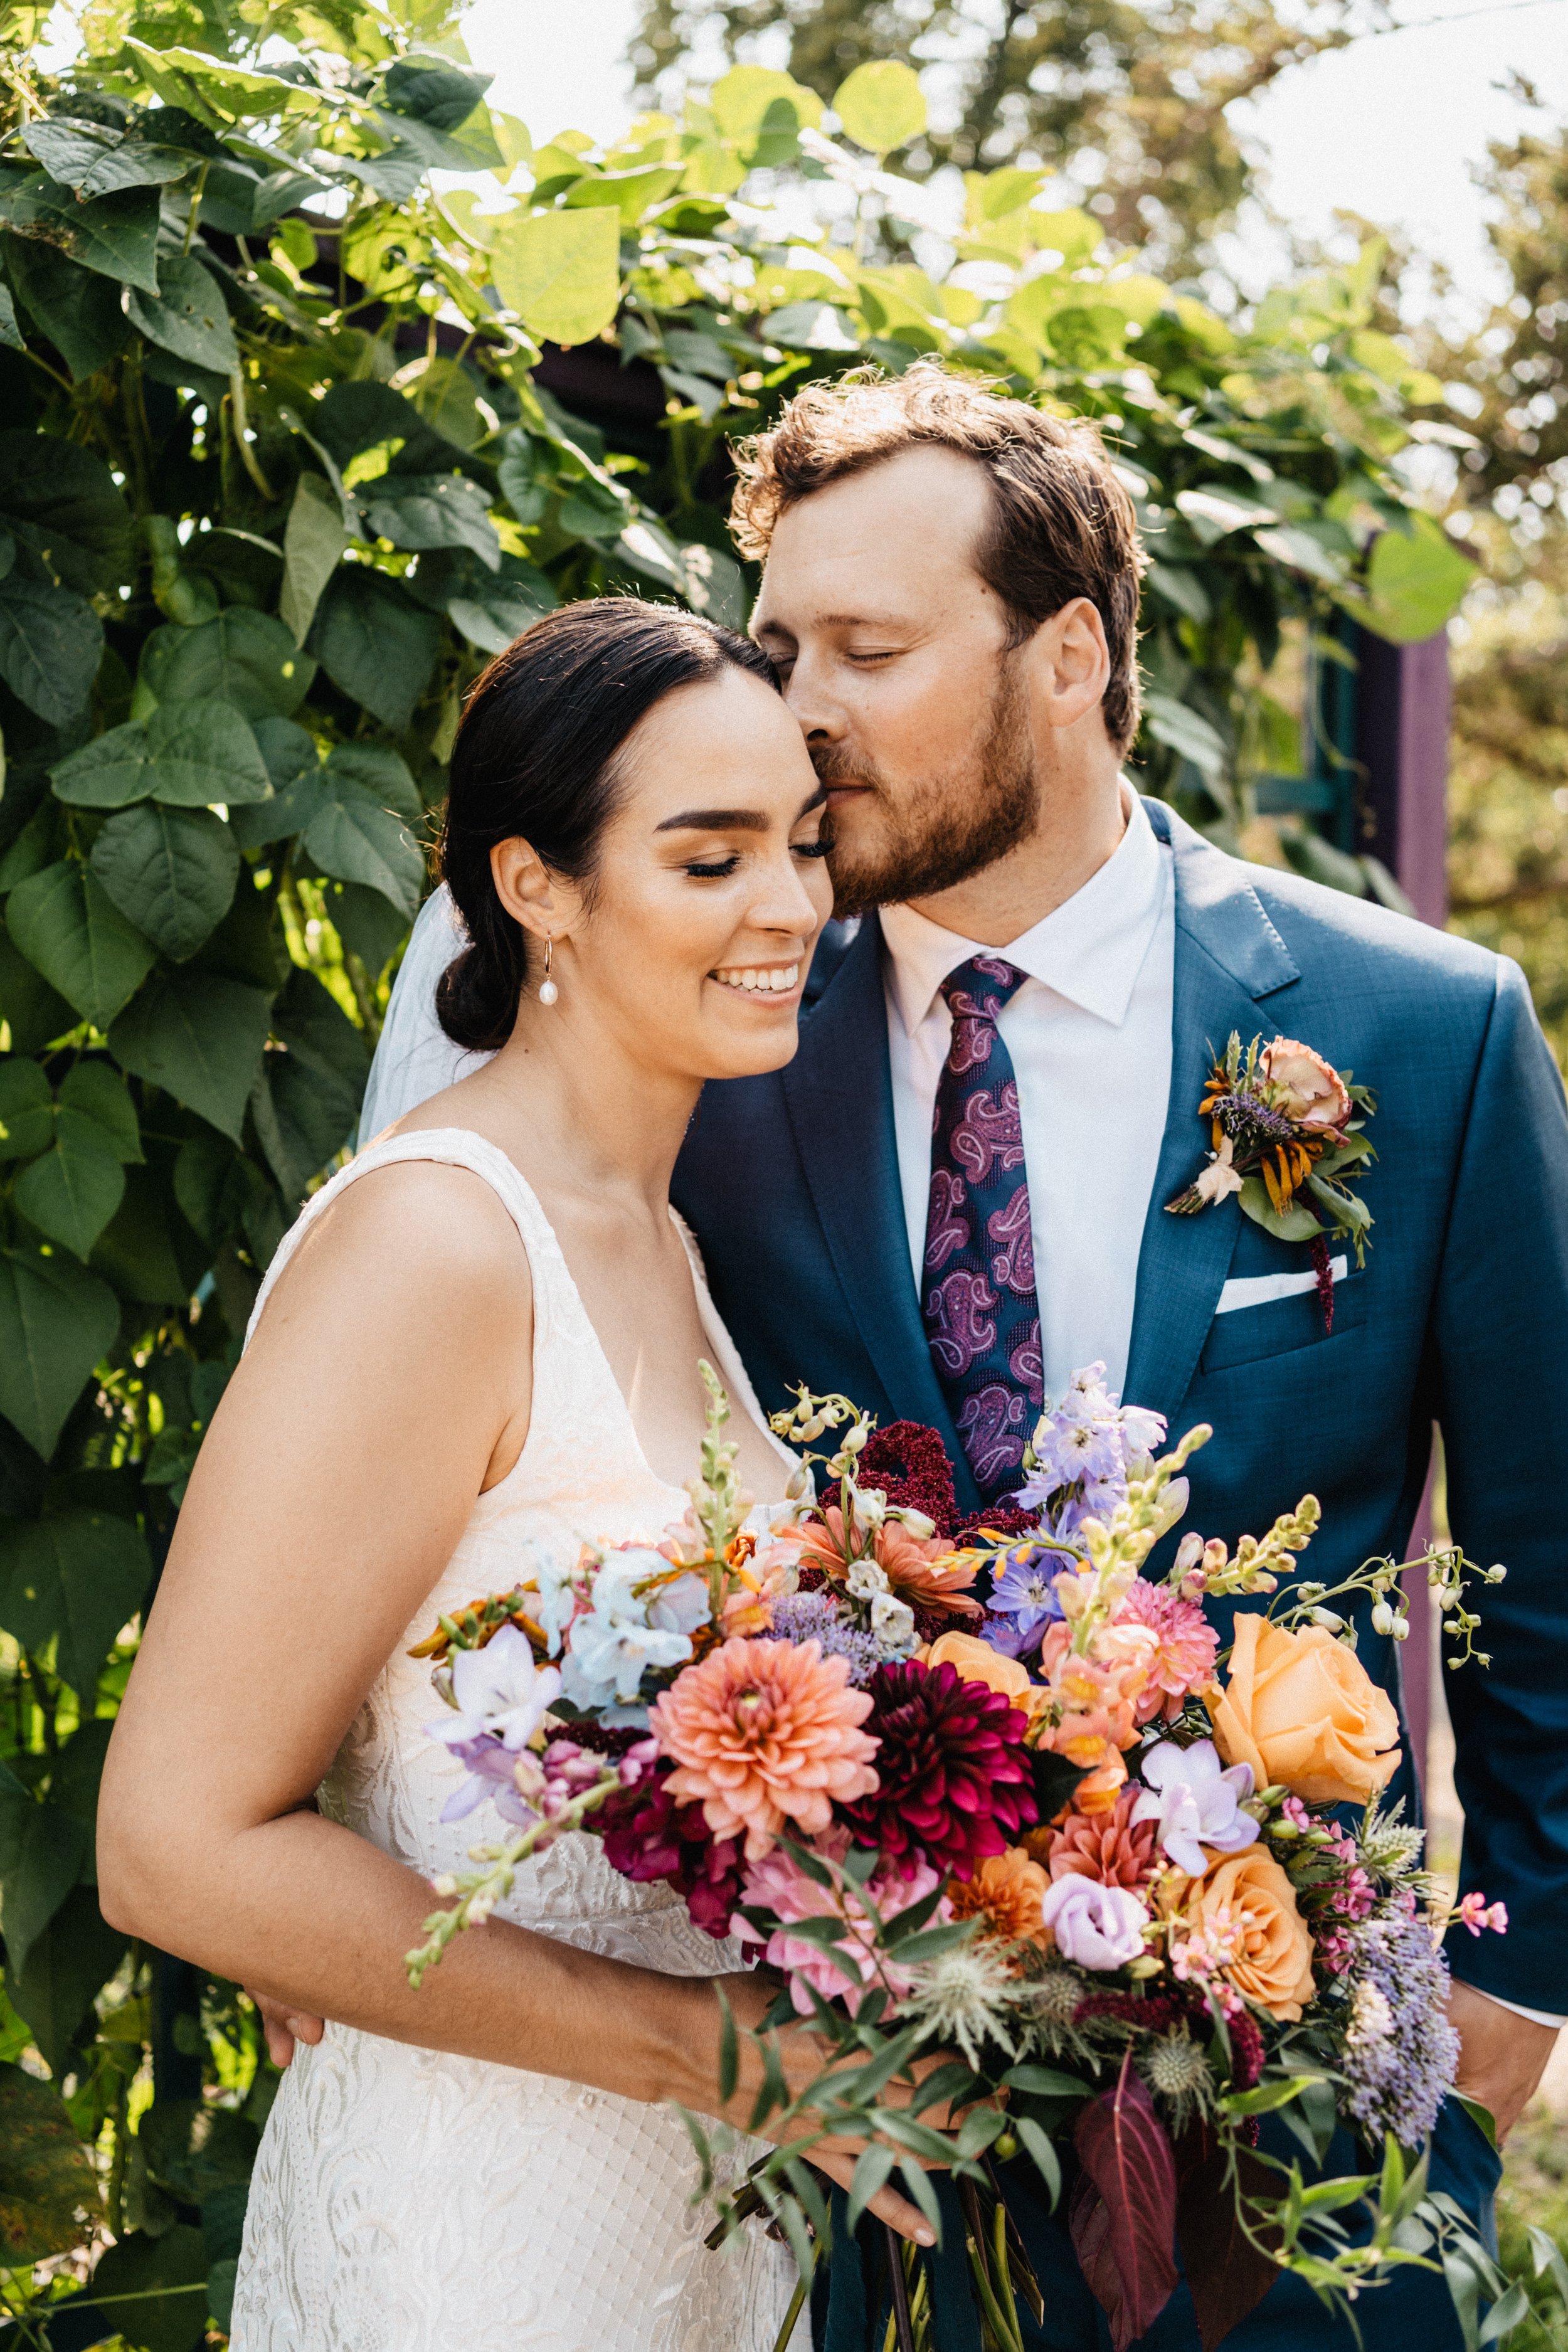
<point x="289" y="463"/>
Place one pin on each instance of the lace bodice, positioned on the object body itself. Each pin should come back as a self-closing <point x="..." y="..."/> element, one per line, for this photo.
<point x="527" y="2162"/>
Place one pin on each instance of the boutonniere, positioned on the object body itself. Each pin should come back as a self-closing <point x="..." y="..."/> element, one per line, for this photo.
<point x="1288" y="1143"/>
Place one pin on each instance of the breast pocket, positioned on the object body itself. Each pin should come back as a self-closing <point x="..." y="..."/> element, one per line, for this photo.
<point x="1281" y="1327"/>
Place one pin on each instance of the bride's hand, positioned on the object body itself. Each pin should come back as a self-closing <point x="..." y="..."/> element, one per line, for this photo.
<point x="802" y="2054"/>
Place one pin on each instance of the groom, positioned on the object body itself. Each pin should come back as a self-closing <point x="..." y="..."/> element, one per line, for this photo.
<point x="950" y="594"/>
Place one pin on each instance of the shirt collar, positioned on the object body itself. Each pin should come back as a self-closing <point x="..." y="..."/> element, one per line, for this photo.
<point x="1089" y="949"/>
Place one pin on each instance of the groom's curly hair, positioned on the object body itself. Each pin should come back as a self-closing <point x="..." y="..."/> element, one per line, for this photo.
<point x="1062" y="523"/>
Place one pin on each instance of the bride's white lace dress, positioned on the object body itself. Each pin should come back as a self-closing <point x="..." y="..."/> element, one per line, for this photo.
<point x="406" y="2201"/>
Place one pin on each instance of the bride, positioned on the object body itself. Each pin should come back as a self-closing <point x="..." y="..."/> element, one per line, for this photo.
<point x="481" y="1341"/>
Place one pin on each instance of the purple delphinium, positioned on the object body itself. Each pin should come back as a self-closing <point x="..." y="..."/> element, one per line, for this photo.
<point x="1025" y="1591"/>
<point x="815" y="1617"/>
<point x="1400" y="2052"/>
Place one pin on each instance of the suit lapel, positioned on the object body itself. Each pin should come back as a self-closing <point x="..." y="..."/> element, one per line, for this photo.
<point x="1228" y="957"/>
<point x="840" y="1093"/>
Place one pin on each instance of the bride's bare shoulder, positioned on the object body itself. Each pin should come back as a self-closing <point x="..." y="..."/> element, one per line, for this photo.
<point x="417" y="1239"/>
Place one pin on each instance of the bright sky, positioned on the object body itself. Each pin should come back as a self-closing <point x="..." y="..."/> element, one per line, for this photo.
<point x="1391" y="129"/>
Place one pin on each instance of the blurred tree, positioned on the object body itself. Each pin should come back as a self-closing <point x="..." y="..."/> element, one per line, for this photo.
<point x="1131" y="98"/>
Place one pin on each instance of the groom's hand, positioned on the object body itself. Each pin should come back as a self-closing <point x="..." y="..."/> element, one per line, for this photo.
<point x="284" y="2026"/>
<point x="1502" y="2056"/>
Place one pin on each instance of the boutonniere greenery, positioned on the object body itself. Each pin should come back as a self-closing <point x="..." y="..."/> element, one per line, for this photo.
<point x="1287" y="1141"/>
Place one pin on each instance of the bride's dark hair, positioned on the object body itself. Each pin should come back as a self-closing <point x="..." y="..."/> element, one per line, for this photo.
<point x="536" y="755"/>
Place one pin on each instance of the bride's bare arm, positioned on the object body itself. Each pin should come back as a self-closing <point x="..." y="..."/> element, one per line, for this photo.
<point x="389" y="1380"/>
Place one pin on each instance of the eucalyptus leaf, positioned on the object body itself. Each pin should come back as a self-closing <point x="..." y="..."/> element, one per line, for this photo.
<point x="1292" y="1224"/>
<point x="56" y="1322"/>
<point x="200" y="1037"/>
<point x="71" y="932"/>
<point x="171" y="871"/>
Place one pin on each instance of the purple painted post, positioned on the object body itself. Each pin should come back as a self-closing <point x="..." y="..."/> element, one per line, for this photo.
<point x="1402" y="746"/>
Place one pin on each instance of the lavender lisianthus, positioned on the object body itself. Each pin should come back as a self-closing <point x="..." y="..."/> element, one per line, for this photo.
<point x="1095" y="1927"/>
<point x="1400" y="2052"/>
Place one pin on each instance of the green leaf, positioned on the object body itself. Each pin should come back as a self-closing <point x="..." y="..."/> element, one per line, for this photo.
<point x="1484" y="2123"/>
<point x="50" y="646"/>
<point x="73" y="1191"/>
<point x="56" y="1322"/>
<point x="429" y="88"/>
<point x="218" y="94"/>
<point x="11" y="334"/>
<point x="559" y="271"/>
<point x="743" y="100"/>
<point x="309" y="1094"/>
<point x="429" y="510"/>
<point x="72" y="1959"/>
<point x="71" y="931"/>
<point x="26" y="1109"/>
<point x="375" y="643"/>
<point x="1185" y="730"/>
<point x="136" y="1253"/>
<point x="200" y="1037"/>
<point x="171" y="871"/>
<point x="313" y="541"/>
<point x="95" y="1090"/>
<point x="79" y="312"/>
<point x="871" y="2169"/>
<point x="115" y="236"/>
<point x="188" y="754"/>
<point x="882" y="105"/>
<point x="1296" y="1224"/>
<point x="41" y="1848"/>
<point x="47" y="2176"/>
<point x="96" y="161"/>
<point x="66" y="498"/>
<point x="136" y="2267"/>
<point x="74" y="1781"/>
<point x="247" y="658"/>
<point x="1414" y="576"/>
<point x="34" y="1013"/>
<point x="378" y="770"/>
<point x="80" y="1574"/>
<point x="187" y="316"/>
<point x="1046" y="2161"/>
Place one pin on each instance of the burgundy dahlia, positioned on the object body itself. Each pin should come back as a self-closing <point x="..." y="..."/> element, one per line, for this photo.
<point x="648" y="1836"/>
<point x="909" y="1463"/>
<point x="953" y="1776"/>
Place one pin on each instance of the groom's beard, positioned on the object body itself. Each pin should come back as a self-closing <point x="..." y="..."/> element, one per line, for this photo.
<point x="941" y="830"/>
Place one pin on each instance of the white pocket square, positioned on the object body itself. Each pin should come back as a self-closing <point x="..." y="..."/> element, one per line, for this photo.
<point x="1259" y="1289"/>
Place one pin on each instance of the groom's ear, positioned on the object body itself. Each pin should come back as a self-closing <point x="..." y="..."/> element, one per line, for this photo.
<point x="529" y="892"/>
<point x="1066" y="665"/>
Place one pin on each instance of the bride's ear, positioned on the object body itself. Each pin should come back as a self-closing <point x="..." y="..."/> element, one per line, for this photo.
<point x="530" y="894"/>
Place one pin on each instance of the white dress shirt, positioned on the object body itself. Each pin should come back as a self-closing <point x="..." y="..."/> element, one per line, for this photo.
<point x="1090" y="1037"/>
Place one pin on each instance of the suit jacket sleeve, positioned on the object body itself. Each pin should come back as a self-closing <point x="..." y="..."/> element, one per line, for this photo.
<point x="1500" y="1334"/>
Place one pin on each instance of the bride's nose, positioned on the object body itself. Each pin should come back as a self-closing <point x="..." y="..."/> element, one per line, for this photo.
<point x="783" y="905"/>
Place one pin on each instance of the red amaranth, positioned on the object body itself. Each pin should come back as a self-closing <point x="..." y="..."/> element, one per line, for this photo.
<point x="909" y="1462"/>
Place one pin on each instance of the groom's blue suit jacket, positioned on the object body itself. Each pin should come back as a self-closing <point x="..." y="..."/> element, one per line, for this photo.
<point x="1460" y="1317"/>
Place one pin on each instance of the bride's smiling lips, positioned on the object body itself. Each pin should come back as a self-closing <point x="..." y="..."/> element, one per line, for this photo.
<point x="770" y="982"/>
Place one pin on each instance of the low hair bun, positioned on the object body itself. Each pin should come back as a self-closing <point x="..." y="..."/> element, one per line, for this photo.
<point x="476" y="1001"/>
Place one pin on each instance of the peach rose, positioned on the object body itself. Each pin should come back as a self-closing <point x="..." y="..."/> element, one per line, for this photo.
<point x="1314" y="1094"/>
<point x="1243" y="1909"/>
<point x="977" y="1661"/>
<point x="1301" y="1708"/>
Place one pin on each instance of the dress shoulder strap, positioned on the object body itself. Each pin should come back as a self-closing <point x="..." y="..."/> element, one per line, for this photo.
<point x="452" y="1146"/>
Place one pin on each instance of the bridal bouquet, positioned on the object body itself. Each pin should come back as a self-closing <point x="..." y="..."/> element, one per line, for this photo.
<point x="1036" y="1855"/>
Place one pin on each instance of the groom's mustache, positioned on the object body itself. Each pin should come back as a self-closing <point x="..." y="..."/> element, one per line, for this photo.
<point x="838" y="768"/>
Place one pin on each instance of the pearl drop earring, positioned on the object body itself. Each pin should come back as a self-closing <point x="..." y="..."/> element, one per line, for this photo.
<point x="548" y="992"/>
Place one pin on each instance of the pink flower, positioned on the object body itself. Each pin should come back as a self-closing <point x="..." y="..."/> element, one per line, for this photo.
<point x="1475" y="1913"/>
<point x="1311" y="1092"/>
<point x="1106" y="1846"/>
<point x="1186" y="1647"/>
<point x="765" y="1733"/>
<point x="778" y="1885"/>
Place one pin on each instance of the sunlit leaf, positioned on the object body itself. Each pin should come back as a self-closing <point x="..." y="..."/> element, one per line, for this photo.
<point x="559" y="271"/>
<point x="47" y="2176"/>
<point x="882" y="105"/>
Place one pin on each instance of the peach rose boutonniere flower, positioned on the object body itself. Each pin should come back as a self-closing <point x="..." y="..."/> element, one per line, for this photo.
<point x="1241" y="1913"/>
<point x="1301" y="1708"/>
<point x="1286" y="1141"/>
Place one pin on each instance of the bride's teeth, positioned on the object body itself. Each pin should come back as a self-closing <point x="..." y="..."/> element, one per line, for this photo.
<point x="776" y="981"/>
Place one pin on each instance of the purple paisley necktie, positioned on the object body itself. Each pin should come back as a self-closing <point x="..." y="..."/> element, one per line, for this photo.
<point x="977" y="1283"/>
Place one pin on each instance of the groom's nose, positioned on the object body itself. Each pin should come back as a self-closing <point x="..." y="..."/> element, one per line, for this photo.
<point x="819" y="711"/>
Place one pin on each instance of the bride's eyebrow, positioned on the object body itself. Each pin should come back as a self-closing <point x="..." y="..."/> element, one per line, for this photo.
<point x="718" y="820"/>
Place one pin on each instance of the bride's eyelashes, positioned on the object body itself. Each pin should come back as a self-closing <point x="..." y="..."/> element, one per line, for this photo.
<point x="724" y="868"/>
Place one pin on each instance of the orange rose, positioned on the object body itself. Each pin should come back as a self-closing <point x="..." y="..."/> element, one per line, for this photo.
<point x="1301" y="1708"/>
<point x="1244" y="1908"/>
<point x="977" y="1661"/>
